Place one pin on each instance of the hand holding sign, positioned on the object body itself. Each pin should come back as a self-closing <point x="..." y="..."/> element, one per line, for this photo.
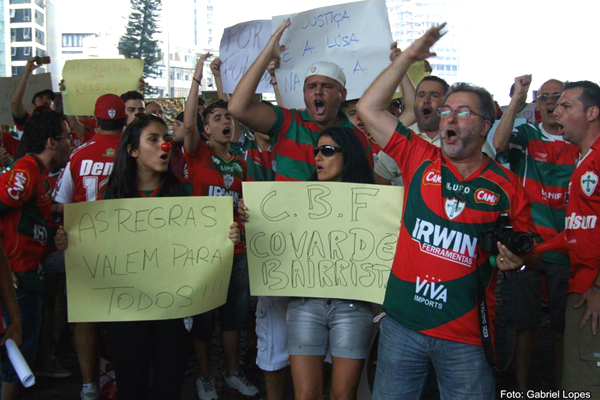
<point x="274" y="48"/>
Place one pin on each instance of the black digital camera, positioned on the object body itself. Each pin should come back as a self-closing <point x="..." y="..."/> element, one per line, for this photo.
<point x="517" y="242"/>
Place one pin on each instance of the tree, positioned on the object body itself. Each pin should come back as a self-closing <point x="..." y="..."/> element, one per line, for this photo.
<point x="138" y="40"/>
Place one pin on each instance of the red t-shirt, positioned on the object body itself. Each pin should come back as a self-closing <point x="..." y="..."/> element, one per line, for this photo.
<point x="581" y="223"/>
<point x="10" y="143"/>
<point x="24" y="212"/>
<point x="86" y="175"/>
<point x="212" y="175"/>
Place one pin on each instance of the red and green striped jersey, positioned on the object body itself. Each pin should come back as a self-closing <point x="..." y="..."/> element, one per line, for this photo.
<point x="294" y="136"/>
<point x="544" y="164"/>
<point x="581" y="224"/>
<point x="261" y="163"/>
<point x="24" y="212"/>
<point x="213" y="175"/>
<point x="432" y="287"/>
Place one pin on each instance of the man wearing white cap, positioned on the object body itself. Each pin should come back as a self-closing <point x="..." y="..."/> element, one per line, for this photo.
<point x="294" y="134"/>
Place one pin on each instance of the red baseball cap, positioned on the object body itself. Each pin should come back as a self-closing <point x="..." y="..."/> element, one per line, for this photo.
<point x="110" y="107"/>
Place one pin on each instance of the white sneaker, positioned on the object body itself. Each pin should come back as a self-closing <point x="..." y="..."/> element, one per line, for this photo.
<point x="205" y="388"/>
<point x="239" y="384"/>
<point x="91" y="394"/>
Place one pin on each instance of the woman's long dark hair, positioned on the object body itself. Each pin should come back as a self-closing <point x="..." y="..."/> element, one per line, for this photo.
<point x="122" y="183"/>
<point x="356" y="166"/>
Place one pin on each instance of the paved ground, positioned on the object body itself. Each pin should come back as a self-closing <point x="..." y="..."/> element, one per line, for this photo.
<point x="68" y="389"/>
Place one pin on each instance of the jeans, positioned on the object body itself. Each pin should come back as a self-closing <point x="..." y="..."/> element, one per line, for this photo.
<point x="30" y="304"/>
<point x="404" y="361"/>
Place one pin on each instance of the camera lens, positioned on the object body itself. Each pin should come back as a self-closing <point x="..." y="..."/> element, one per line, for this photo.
<point x="520" y="242"/>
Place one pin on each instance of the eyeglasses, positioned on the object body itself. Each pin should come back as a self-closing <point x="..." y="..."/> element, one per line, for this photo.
<point x="545" y="96"/>
<point x="327" y="150"/>
<point x="461" y="112"/>
<point x="143" y="117"/>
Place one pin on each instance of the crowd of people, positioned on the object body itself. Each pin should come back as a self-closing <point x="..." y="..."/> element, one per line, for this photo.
<point x="436" y="338"/>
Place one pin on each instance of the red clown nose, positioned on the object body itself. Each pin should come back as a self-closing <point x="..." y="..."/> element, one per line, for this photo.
<point x="166" y="147"/>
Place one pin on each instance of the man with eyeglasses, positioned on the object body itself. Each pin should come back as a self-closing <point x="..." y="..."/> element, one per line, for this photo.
<point x="83" y="179"/>
<point x="25" y="206"/>
<point x="440" y="275"/>
<point x="544" y="162"/>
<point x="427" y="99"/>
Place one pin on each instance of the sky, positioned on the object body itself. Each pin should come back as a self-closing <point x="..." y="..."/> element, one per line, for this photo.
<point x="499" y="39"/>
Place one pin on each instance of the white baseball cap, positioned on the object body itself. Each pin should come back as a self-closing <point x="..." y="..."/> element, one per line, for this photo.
<point x="328" y="69"/>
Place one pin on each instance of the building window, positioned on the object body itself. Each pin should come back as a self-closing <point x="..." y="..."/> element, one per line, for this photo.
<point x="210" y="31"/>
<point x="27" y="33"/>
<point x="73" y="39"/>
<point x="16" y="71"/>
<point x="209" y="8"/>
<point x="41" y="3"/>
<point x="40" y="37"/>
<point x="20" y="15"/>
<point x="20" y="1"/>
<point x="39" y="18"/>
<point x="13" y="51"/>
<point x="209" y="16"/>
<point x="27" y="51"/>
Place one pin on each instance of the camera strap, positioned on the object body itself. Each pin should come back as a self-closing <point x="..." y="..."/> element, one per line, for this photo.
<point x="498" y="352"/>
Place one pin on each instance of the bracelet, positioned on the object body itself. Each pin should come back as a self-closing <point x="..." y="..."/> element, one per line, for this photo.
<point x="196" y="80"/>
<point x="273" y="83"/>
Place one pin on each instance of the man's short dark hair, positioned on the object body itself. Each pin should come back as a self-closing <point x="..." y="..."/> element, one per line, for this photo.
<point x="132" y="95"/>
<point x="201" y="101"/>
<point x="437" y="79"/>
<point x="112" y="124"/>
<point x="39" y="128"/>
<point x="212" y="107"/>
<point x="590" y="94"/>
<point x="486" y="102"/>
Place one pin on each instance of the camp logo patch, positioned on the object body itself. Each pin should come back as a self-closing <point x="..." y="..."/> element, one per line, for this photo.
<point x="433" y="177"/>
<point x="454" y="207"/>
<point x="486" y="196"/>
<point x="110" y="152"/>
<point x="228" y="180"/>
<point x="589" y="181"/>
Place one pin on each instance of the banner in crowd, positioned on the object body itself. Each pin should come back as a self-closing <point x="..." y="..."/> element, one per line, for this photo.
<point x="86" y="80"/>
<point x="240" y="45"/>
<point x="356" y="36"/>
<point x="150" y="259"/>
<point x="321" y="239"/>
<point x="36" y="83"/>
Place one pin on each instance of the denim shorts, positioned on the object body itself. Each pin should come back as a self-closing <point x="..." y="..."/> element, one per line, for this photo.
<point x="314" y="326"/>
<point x="233" y="315"/>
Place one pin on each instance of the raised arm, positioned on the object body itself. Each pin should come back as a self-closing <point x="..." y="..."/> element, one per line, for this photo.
<point x="191" y="136"/>
<point x="273" y="65"/>
<point x="408" y="91"/>
<point x="373" y="104"/>
<point x="16" y="100"/>
<point x="257" y="116"/>
<point x="501" y="138"/>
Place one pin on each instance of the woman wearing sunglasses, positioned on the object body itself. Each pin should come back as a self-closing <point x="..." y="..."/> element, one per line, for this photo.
<point x="316" y="326"/>
<point x="141" y="170"/>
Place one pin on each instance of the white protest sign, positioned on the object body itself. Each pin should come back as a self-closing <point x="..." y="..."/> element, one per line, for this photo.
<point x="36" y="83"/>
<point x="356" y="36"/>
<point x="240" y="45"/>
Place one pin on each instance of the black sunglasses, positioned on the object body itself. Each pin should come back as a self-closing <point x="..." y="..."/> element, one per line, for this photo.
<point x="327" y="150"/>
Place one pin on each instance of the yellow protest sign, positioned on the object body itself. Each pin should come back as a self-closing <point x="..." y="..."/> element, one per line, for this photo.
<point x="321" y="239"/>
<point x="86" y="80"/>
<point x="147" y="259"/>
